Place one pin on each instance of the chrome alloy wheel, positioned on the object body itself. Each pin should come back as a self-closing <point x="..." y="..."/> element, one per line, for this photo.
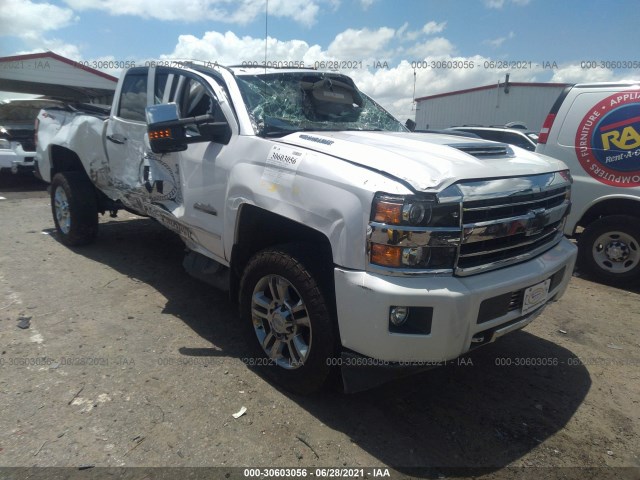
<point x="281" y="321"/>
<point x="61" y="206"/>
<point x="616" y="252"/>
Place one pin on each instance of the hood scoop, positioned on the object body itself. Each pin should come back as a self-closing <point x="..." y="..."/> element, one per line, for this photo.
<point x="485" y="150"/>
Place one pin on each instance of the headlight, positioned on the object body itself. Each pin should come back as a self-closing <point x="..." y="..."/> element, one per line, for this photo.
<point x="417" y="212"/>
<point x="5" y="144"/>
<point x="413" y="232"/>
<point x="414" y="211"/>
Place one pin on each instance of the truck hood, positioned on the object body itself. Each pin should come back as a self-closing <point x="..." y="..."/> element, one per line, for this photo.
<point x="426" y="161"/>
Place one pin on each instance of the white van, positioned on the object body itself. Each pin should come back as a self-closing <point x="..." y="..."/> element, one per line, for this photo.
<point x="595" y="129"/>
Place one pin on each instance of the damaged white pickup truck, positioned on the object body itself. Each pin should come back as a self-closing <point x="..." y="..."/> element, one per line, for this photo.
<point x="347" y="240"/>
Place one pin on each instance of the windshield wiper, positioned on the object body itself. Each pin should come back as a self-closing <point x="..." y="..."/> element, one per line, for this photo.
<point x="277" y="127"/>
<point x="274" y="126"/>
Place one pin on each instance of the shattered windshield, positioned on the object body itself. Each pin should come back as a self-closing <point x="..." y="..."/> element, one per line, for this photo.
<point x="287" y="102"/>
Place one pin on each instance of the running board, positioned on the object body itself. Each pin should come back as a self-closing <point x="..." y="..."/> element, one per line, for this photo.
<point x="208" y="270"/>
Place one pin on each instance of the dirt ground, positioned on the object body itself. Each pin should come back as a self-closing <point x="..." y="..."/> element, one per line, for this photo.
<point x="129" y="362"/>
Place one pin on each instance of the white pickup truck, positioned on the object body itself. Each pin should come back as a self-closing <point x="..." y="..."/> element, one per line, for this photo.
<point x="346" y="240"/>
<point x="17" y="145"/>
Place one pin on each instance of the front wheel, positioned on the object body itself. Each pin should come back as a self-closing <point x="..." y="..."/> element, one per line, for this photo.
<point x="610" y="248"/>
<point x="74" y="208"/>
<point x="287" y="319"/>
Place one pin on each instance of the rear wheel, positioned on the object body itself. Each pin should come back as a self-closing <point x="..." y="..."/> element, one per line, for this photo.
<point x="610" y="248"/>
<point x="287" y="319"/>
<point x="74" y="208"/>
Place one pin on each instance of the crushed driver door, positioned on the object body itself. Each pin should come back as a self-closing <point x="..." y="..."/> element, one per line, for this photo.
<point x="125" y="140"/>
<point x="175" y="179"/>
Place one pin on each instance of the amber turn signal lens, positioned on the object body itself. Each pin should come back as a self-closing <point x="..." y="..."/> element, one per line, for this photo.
<point x="388" y="212"/>
<point x="157" y="134"/>
<point x="386" y="256"/>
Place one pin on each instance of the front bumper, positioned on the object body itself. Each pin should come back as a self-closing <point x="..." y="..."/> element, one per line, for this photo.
<point x="17" y="159"/>
<point x="7" y="157"/>
<point x="459" y="317"/>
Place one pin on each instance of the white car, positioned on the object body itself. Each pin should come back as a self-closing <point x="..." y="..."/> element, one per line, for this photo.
<point x="595" y="129"/>
<point x="520" y="138"/>
<point x="17" y="143"/>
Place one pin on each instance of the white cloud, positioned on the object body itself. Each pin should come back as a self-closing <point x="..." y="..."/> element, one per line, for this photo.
<point x="406" y="35"/>
<point x="303" y="11"/>
<point x="430" y="28"/>
<point x="361" y="44"/>
<point x="240" y="12"/>
<point x="435" y="47"/>
<point x="37" y="44"/>
<point x="392" y="87"/>
<point x="433" y="27"/>
<point x="497" y="42"/>
<point x="229" y="49"/>
<point x="29" y="21"/>
<point x="367" y="3"/>
<point x="23" y="17"/>
<point x="576" y="74"/>
<point x="498" y="4"/>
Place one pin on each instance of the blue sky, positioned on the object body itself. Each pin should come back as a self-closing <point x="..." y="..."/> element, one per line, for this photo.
<point x="563" y="33"/>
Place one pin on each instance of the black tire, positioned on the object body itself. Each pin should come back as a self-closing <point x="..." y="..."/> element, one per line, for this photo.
<point x="609" y="249"/>
<point x="74" y="208"/>
<point x="302" y="366"/>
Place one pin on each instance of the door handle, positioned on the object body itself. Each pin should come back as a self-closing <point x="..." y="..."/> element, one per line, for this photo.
<point x="117" y="138"/>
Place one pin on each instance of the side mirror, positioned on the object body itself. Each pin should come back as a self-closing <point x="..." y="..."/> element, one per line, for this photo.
<point x="168" y="132"/>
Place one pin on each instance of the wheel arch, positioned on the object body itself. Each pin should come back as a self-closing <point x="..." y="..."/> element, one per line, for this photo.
<point x="257" y="229"/>
<point x="610" y="206"/>
<point x="64" y="159"/>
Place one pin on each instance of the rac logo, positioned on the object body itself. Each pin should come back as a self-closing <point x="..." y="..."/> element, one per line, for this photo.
<point x="607" y="141"/>
<point x="622" y="137"/>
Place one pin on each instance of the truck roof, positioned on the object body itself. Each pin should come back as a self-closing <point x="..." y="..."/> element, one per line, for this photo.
<point x="244" y="69"/>
<point x="622" y="83"/>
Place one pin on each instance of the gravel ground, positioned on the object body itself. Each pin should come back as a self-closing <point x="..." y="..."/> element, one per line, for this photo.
<point x="129" y="362"/>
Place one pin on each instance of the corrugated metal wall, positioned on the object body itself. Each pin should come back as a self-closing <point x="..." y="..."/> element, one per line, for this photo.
<point x="527" y="104"/>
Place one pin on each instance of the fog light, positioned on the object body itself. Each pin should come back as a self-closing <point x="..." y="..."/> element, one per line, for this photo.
<point x="398" y="315"/>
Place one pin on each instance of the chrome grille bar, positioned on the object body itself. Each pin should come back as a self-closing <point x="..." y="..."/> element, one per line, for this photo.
<point x="508" y="221"/>
<point x="556" y="196"/>
<point x="527" y="225"/>
<point x="510" y="246"/>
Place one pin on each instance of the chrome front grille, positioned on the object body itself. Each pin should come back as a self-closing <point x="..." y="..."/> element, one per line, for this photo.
<point x="472" y="227"/>
<point x="507" y="221"/>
